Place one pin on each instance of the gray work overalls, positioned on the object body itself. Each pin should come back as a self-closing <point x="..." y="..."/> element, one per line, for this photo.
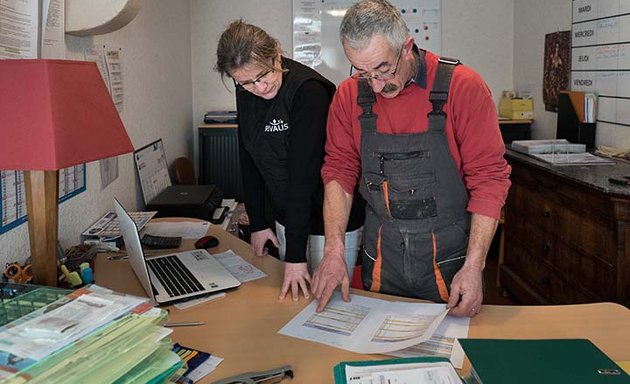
<point x="416" y="226"/>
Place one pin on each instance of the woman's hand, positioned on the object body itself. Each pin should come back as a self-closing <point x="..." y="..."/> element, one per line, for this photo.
<point x="296" y="277"/>
<point x="259" y="239"/>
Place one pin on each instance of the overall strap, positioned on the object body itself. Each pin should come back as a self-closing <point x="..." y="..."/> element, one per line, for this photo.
<point x="439" y="94"/>
<point x="366" y="100"/>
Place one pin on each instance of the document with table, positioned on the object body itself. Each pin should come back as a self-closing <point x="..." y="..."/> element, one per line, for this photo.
<point x="367" y="325"/>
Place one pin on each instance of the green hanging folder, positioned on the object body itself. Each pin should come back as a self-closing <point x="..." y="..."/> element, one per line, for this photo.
<point x="575" y="361"/>
<point x="340" y="369"/>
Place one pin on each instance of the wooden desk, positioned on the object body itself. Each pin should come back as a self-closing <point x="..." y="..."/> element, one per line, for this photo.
<point x="567" y="233"/>
<point x="242" y="327"/>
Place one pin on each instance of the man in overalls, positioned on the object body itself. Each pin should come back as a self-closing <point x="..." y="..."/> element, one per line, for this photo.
<point x="420" y="136"/>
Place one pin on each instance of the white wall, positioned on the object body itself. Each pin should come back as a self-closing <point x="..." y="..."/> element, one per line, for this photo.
<point x="532" y="21"/>
<point x="156" y="56"/>
<point x="478" y="32"/>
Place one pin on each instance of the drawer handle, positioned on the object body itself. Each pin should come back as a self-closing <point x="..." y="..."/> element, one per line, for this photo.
<point x="545" y="281"/>
<point x="546" y="247"/>
<point x="546" y="214"/>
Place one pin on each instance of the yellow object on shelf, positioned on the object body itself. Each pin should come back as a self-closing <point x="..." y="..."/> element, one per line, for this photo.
<point x="516" y="109"/>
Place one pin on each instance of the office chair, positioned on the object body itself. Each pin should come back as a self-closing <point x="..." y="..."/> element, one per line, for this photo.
<point x="184" y="172"/>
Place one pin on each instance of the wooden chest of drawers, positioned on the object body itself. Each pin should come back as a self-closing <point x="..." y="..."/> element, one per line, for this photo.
<point x="567" y="233"/>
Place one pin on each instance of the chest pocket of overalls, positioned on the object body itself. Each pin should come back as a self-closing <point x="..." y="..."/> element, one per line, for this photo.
<point x="402" y="186"/>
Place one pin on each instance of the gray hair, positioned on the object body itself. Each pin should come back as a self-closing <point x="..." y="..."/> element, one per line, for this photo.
<point x="367" y="18"/>
<point x="243" y="43"/>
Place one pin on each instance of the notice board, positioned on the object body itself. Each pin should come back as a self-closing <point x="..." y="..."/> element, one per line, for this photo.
<point x="316" y="32"/>
<point x="600" y="59"/>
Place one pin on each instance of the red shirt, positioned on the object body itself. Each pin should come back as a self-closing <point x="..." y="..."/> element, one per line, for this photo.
<point x="472" y="131"/>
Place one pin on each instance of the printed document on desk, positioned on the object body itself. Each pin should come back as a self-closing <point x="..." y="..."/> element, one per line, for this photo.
<point x="443" y="343"/>
<point x="238" y="267"/>
<point x="46" y="331"/>
<point x="417" y="370"/>
<point x="366" y="325"/>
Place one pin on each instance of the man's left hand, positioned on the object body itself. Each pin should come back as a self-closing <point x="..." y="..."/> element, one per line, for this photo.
<point x="466" y="293"/>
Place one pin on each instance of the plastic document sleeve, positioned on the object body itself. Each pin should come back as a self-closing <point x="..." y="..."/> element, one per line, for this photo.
<point x="412" y="370"/>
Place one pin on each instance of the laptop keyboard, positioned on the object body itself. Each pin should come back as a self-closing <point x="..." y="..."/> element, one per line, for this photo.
<point x="174" y="276"/>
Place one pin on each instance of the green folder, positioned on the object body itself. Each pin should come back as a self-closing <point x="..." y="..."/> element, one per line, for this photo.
<point x="575" y="361"/>
<point x="340" y="369"/>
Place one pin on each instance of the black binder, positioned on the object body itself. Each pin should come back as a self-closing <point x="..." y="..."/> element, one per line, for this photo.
<point x="570" y="125"/>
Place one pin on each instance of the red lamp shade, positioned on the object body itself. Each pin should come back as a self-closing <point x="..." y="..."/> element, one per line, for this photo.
<point x="55" y="114"/>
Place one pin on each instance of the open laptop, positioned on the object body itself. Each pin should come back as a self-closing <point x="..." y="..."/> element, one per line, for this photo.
<point x="176" y="276"/>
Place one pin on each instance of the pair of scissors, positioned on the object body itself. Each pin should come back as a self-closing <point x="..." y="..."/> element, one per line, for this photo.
<point x="18" y="274"/>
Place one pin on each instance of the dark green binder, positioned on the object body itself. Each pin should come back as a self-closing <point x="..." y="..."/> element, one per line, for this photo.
<point x="340" y="369"/>
<point x="574" y="361"/>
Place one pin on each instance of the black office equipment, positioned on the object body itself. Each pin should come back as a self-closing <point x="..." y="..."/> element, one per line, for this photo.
<point x="198" y="201"/>
<point x="220" y="117"/>
<point x="570" y="120"/>
<point x="206" y="242"/>
<point x="170" y="200"/>
<point x="161" y="242"/>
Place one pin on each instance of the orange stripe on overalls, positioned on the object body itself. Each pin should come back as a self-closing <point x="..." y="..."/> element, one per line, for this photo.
<point x="386" y="196"/>
<point x="439" y="280"/>
<point x="376" y="271"/>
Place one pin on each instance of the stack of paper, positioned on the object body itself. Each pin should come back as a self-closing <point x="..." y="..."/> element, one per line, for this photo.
<point x="547" y="146"/>
<point x="92" y="335"/>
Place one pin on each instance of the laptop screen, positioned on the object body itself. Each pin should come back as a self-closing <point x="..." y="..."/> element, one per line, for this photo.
<point x="152" y="169"/>
<point x="133" y="246"/>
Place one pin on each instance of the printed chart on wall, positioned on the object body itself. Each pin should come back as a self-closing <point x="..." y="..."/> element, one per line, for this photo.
<point x="316" y="32"/>
<point x="601" y="60"/>
<point x="13" y="193"/>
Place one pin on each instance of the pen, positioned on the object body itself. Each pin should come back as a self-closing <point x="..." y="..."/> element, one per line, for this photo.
<point x="185" y="324"/>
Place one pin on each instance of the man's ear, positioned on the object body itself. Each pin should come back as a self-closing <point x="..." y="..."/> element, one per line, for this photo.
<point x="409" y="42"/>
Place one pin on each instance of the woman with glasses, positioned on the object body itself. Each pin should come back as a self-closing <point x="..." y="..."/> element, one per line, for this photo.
<point x="282" y="110"/>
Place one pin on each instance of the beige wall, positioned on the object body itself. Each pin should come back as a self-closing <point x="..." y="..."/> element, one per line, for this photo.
<point x="532" y="21"/>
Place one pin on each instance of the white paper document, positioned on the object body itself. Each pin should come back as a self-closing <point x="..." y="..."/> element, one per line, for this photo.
<point x="366" y="325"/>
<point x="416" y="373"/>
<point x="443" y="343"/>
<point x="238" y="267"/>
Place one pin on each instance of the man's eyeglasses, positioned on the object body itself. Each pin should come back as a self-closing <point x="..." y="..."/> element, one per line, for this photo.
<point x="379" y="76"/>
<point x="250" y="84"/>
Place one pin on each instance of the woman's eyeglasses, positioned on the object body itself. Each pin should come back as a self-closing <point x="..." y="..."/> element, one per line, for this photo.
<point x="379" y="76"/>
<point x="250" y="84"/>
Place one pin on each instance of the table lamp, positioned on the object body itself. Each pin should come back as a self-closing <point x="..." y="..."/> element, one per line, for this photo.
<point x="53" y="114"/>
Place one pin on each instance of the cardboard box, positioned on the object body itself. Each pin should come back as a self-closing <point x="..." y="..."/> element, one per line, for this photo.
<point x="516" y="109"/>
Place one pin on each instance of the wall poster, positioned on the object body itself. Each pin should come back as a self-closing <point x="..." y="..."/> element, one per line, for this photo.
<point x="557" y="68"/>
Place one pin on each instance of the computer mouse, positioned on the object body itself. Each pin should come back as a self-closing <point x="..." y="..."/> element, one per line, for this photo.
<point x="206" y="242"/>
